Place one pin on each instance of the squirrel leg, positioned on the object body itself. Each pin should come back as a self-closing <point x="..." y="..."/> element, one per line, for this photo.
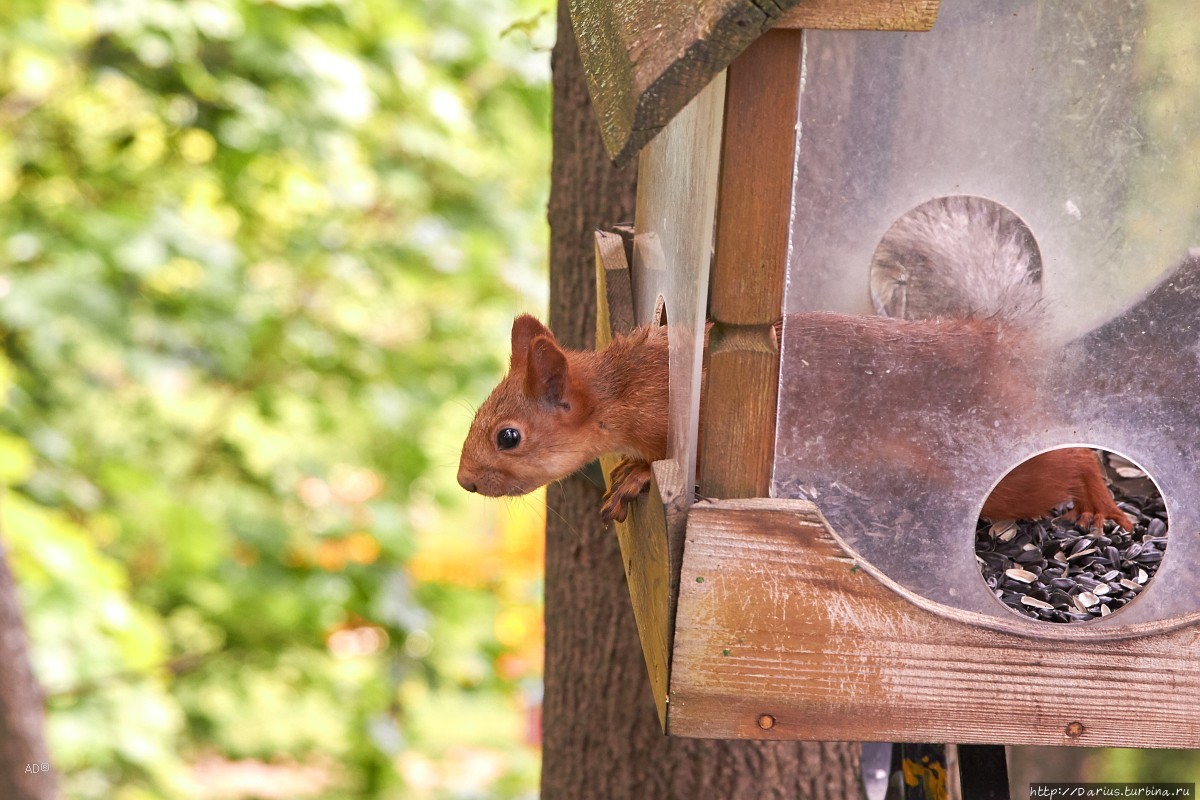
<point x="1092" y="503"/>
<point x="1034" y="488"/>
<point x="627" y="480"/>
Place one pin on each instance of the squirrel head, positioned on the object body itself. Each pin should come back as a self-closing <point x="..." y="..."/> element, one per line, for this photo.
<point x="533" y="428"/>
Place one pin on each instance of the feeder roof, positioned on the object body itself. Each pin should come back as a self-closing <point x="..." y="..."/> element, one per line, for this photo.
<point x="646" y="59"/>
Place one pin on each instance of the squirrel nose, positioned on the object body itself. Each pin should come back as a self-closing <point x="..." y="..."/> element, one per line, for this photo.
<point x="465" y="481"/>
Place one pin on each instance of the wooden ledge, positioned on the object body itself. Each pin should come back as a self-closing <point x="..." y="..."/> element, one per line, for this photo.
<point x="776" y="618"/>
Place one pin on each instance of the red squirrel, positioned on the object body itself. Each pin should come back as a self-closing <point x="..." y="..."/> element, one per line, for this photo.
<point x="958" y="280"/>
<point x="556" y="410"/>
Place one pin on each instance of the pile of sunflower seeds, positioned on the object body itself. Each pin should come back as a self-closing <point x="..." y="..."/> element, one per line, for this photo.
<point x="1057" y="571"/>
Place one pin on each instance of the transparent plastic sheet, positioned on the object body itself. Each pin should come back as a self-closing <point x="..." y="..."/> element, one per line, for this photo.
<point x="1080" y="118"/>
<point x="677" y="180"/>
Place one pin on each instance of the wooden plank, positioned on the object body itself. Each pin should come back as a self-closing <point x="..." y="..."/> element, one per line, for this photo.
<point x="754" y="200"/>
<point x="738" y="412"/>
<point x="614" y="288"/>
<point x="646" y="59"/>
<point x="644" y="537"/>
<point x="777" y="618"/>
<point x="753" y="228"/>
<point x="651" y="537"/>
<point x="882" y="15"/>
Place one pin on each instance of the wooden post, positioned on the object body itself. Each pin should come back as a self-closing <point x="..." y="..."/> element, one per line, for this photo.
<point x="753" y="225"/>
<point x="856" y="15"/>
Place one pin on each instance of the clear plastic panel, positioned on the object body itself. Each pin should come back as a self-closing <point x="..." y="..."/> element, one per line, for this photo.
<point x="676" y="208"/>
<point x="1083" y="120"/>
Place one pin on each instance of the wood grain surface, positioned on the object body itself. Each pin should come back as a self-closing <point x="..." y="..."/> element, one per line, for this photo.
<point x="749" y="267"/>
<point x="776" y="618"/>
<point x="882" y="15"/>
<point x="651" y="537"/>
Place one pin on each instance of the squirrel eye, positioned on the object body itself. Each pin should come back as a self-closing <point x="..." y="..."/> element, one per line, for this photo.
<point x="508" y="438"/>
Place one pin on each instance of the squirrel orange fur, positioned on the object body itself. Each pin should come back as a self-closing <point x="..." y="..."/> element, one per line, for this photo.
<point x="557" y="409"/>
<point x="1034" y="487"/>
<point x="957" y="282"/>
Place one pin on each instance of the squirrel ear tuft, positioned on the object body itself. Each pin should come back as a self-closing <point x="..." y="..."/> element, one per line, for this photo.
<point x="525" y="329"/>
<point x="546" y="373"/>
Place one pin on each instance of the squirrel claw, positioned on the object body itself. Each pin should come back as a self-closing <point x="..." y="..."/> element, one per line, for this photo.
<point x="1094" y="520"/>
<point x="627" y="480"/>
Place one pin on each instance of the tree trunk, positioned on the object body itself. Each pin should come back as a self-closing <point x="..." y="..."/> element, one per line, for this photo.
<point x="24" y="760"/>
<point x="601" y="735"/>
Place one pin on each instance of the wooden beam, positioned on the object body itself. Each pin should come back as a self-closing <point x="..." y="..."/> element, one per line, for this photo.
<point x="882" y="15"/>
<point x="614" y="289"/>
<point x="779" y="622"/>
<point x="651" y="537"/>
<point x="646" y="59"/>
<point x="754" y="204"/>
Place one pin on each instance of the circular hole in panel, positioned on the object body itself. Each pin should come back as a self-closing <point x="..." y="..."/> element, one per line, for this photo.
<point x="955" y="256"/>
<point x="1049" y="542"/>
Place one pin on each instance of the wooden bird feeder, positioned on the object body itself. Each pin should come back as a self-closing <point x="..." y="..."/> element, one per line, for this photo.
<point x="801" y="597"/>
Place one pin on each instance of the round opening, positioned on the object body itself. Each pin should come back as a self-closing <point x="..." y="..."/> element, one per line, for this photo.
<point x="1091" y="554"/>
<point x="956" y="256"/>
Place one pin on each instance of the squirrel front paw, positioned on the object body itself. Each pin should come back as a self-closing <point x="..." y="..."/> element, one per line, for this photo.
<point x="1094" y="519"/>
<point x="629" y="478"/>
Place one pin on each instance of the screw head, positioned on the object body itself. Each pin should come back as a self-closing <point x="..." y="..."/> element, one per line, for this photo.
<point x="1075" y="730"/>
<point x="766" y="721"/>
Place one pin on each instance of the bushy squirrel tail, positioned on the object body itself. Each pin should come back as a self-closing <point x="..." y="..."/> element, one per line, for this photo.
<point x="958" y="257"/>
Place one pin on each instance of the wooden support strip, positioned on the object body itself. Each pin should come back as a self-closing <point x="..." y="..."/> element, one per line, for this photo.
<point x="754" y="200"/>
<point x="614" y="289"/>
<point x="645" y="554"/>
<point x="738" y="413"/>
<point x="651" y="537"/>
<point x="753" y="227"/>
<point x="782" y="634"/>
<point x="883" y="15"/>
<point x="626" y="232"/>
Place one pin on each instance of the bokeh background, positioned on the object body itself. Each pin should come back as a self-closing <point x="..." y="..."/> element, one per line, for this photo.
<point x="257" y="260"/>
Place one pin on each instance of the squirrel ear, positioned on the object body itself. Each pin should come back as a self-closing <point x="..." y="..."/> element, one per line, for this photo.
<point x="525" y="329"/>
<point x="546" y="373"/>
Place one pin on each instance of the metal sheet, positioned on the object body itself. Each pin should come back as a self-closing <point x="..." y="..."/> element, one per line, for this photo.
<point x="1079" y="117"/>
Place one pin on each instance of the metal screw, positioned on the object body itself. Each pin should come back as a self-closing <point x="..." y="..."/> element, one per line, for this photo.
<point x="766" y="721"/>
<point x="1075" y="730"/>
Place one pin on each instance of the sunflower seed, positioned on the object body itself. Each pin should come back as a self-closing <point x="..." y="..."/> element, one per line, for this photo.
<point x="1021" y="575"/>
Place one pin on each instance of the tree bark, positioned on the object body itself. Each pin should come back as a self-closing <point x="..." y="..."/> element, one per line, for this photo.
<point x="600" y="730"/>
<point x="24" y="759"/>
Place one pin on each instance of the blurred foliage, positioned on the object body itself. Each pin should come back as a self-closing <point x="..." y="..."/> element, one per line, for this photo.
<point x="255" y="258"/>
